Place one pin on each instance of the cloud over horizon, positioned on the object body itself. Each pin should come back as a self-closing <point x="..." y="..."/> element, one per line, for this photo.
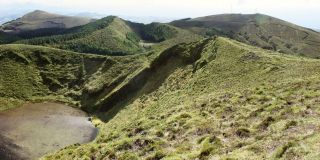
<point x="302" y="12"/>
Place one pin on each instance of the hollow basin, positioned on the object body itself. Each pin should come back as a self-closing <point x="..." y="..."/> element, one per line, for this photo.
<point x="34" y="129"/>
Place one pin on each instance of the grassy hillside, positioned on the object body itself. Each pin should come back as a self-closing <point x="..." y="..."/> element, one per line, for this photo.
<point x="115" y="38"/>
<point x="57" y="72"/>
<point x="183" y="97"/>
<point x="110" y="35"/>
<point x="32" y="73"/>
<point x="216" y="98"/>
<point x="40" y="19"/>
<point x="154" y="32"/>
<point x="96" y="37"/>
<point x="259" y="30"/>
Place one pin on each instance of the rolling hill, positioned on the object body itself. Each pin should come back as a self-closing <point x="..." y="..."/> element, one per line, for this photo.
<point x="114" y="36"/>
<point x="259" y="30"/>
<point x="110" y="35"/>
<point x="42" y="20"/>
<point x="214" y="98"/>
<point x="31" y="72"/>
<point x="173" y="94"/>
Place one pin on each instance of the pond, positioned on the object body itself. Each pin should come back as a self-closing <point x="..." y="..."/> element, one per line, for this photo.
<point x="32" y="130"/>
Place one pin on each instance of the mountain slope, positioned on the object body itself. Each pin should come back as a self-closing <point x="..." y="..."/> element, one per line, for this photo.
<point x="110" y="35"/>
<point x="114" y="36"/>
<point x="259" y="30"/>
<point x="215" y="98"/>
<point x="31" y="73"/>
<point x="43" y="20"/>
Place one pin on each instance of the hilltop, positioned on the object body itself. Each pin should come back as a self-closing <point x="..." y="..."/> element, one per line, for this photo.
<point x="43" y="20"/>
<point x="110" y="35"/>
<point x="258" y="30"/>
<point x="115" y="36"/>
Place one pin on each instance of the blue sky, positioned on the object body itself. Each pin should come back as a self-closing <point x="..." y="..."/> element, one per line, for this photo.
<point x="302" y="12"/>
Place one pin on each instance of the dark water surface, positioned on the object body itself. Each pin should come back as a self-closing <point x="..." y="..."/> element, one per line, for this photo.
<point x="30" y="131"/>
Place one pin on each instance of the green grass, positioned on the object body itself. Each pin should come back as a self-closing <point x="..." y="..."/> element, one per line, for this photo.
<point x="8" y="103"/>
<point x="31" y="73"/>
<point x="226" y="100"/>
<point x="35" y="73"/>
<point x="183" y="97"/>
<point x="157" y="32"/>
<point x="258" y="30"/>
<point x="215" y="98"/>
<point x="108" y="36"/>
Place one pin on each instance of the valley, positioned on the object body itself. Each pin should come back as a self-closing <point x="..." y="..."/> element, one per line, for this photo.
<point x="226" y="86"/>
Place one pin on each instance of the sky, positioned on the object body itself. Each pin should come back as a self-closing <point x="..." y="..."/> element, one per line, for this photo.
<point x="302" y="12"/>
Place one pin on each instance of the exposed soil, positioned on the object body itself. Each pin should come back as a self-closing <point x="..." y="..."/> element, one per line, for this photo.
<point x="30" y="131"/>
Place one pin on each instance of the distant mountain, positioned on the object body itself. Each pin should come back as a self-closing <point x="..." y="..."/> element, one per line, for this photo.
<point x="43" y="20"/>
<point x="259" y="30"/>
<point x="110" y="35"/>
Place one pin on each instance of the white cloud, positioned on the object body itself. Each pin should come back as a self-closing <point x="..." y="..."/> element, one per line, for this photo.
<point x="154" y="4"/>
<point x="286" y="9"/>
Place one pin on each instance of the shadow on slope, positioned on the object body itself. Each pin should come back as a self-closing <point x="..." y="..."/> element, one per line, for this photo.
<point x="152" y="77"/>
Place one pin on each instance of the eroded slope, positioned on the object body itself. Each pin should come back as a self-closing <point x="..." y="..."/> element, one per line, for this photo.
<point x="215" y="98"/>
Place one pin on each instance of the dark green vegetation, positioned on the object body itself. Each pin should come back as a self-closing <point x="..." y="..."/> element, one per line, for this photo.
<point x="110" y="35"/>
<point x="7" y="38"/>
<point x="32" y="73"/>
<point x="183" y="96"/>
<point x="154" y="32"/>
<point x="259" y="30"/>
